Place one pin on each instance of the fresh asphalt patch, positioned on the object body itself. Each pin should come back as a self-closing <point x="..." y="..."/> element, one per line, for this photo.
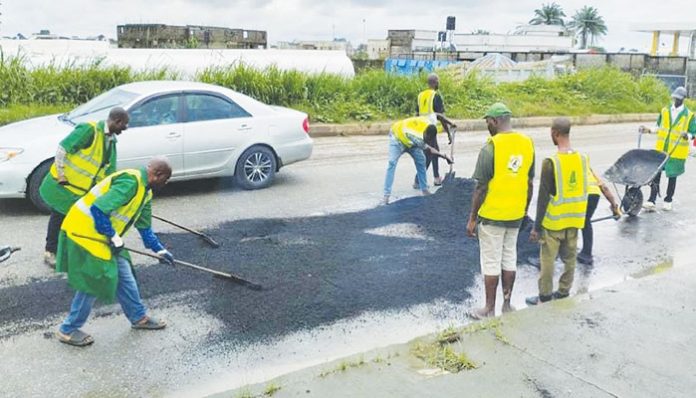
<point x="314" y="270"/>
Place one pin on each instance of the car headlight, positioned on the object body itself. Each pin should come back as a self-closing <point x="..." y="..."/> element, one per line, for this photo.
<point x="9" y="153"/>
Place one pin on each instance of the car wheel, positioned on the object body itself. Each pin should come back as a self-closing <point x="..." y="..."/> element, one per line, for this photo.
<point x="256" y="168"/>
<point x="33" y="186"/>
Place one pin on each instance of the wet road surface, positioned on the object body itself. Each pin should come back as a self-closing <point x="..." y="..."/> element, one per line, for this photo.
<point x="340" y="276"/>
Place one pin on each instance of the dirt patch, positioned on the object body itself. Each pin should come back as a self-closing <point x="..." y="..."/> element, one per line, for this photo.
<point x="315" y="270"/>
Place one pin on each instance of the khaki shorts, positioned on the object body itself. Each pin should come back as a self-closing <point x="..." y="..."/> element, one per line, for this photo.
<point x="498" y="247"/>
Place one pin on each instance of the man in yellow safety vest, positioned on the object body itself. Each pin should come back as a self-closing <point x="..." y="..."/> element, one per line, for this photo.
<point x="674" y="125"/>
<point x="561" y="209"/>
<point x="504" y="177"/>
<point x="430" y="101"/>
<point x="84" y="158"/>
<point x="91" y="250"/>
<point x="405" y="137"/>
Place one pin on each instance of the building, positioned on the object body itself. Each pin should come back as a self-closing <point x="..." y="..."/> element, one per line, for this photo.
<point x="190" y="36"/>
<point x="524" y="39"/>
<point x="323" y="45"/>
<point x="378" y="49"/>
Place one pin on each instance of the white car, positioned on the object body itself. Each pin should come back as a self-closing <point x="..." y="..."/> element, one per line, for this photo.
<point x="204" y="130"/>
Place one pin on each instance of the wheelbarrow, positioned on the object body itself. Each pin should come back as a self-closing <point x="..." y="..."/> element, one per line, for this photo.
<point x="634" y="169"/>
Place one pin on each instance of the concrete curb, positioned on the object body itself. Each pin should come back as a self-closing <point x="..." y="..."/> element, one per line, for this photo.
<point x="380" y="128"/>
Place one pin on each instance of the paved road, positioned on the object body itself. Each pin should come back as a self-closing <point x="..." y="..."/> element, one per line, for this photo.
<point x="344" y="175"/>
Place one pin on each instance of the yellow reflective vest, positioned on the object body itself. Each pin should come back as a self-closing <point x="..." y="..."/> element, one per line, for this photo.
<point x="426" y="105"/>
<point x="593" y="184"/>
<point x="513" y="155"/>
<point x="86" y="167"/>
<point x="568" y="207"/>
<point x="668" y="134"/>
<point x="79" y="219"/>
<point x="426" y="100"/>
<point x="415" y="126"/>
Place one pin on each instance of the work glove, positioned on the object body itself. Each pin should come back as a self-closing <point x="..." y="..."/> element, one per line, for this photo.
<point x="116" y="243"/>
<point x="449" y="137"/>
<point x="166" y="257"/>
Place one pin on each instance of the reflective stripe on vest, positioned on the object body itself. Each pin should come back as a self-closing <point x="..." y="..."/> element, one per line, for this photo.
<point x="668" y="133"/>
<point x="79" y="219"/>
<point x="593" y="184"/>
<point x="413" y="125"/>
<point x="567" y="208"/>
<point x="506" y="199"/>
<point x="86" y="167"/>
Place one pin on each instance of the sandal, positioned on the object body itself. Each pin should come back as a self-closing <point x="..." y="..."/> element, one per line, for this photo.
<point x="77" y="338"/>
<point x="149" y="323"/>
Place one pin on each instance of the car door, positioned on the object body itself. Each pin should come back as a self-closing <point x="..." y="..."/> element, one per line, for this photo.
<point x="155" y="129"/>
<point x="216" y="127"/>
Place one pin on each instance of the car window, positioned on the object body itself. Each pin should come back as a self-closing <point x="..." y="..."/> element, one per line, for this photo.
<point x="154" y="112"/>
<point x="202" y="107"/>
<point x="99" y="107"/>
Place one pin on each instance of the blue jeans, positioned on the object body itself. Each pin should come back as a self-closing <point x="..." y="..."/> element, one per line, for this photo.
<point x="126" y="293"/>
<point x="396" y="149"/>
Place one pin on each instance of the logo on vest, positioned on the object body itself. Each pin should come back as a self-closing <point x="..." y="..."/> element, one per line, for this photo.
<point x="573" y="182"/>
<point x="515" y="163"/>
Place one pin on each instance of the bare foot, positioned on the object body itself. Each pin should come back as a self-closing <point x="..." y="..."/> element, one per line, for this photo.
<point x="481" y="313"/>
<point x="426" y="192"/>
<point x="508" y="308"/>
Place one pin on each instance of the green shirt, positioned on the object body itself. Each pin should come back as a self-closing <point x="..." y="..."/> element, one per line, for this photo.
<point x="87" y="273"/>
<point x="483" y="174"/>
<point x="58" y="197"/>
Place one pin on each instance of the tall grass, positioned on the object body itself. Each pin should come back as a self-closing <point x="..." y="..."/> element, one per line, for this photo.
<point x="372" y="95"/>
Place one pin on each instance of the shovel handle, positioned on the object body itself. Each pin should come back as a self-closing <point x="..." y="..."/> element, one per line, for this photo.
<point x="219" y="274"/>
<point x="201" y="235"/>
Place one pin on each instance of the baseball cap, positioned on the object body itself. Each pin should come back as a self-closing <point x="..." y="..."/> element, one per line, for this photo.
<point x="679" y="93"/>
<point x="496" y="110"/>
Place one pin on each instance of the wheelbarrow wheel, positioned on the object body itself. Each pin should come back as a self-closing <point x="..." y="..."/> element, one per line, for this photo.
<point x="632" y="201"/>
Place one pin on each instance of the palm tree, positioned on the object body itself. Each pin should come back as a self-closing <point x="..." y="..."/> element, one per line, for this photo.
<point x="548" y="14"/>
<point x="587" y="23"/>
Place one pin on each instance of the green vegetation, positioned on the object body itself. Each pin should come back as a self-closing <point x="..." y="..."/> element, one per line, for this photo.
<point x="271" y="390"/>
<point x="443" y="357"/>
<point x="372" y="95"/>
<point x="343" y="366"/>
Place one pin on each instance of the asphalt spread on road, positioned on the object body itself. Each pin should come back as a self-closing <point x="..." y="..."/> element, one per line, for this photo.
<point x="314" y="270"/>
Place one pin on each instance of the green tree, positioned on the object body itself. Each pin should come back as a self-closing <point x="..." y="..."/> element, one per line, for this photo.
<point x="548" y="14"/>
<point x="588" y="24"/>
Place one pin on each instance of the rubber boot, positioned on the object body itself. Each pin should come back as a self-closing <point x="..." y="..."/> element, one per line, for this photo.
<point x="508" y="278"/>
<point x="491" y="287"/>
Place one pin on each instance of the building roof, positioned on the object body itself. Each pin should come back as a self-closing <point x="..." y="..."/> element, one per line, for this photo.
<point x="683" y="28"/>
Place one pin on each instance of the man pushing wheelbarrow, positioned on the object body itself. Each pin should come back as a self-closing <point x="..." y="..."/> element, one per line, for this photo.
<point x="674" y="125"/>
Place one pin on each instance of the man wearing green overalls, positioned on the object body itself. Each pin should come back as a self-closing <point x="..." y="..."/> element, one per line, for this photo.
<point x="674" y="125"/>
<point x="84" y="158"/>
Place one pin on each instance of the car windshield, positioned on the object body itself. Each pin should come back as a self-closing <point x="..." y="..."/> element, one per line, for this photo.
<point x="98" y="107"/>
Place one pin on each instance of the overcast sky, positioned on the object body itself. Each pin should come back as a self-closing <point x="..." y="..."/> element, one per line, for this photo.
<point x="355" y="20"/>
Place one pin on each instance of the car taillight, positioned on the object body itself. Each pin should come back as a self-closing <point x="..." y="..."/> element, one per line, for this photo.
<point x="305" y="125"/>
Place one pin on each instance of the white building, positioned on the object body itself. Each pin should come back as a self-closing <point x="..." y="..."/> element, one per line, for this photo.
<point x="378" y="49"/>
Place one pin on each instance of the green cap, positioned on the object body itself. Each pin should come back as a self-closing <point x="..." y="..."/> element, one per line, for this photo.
<point x="497" y="109"/>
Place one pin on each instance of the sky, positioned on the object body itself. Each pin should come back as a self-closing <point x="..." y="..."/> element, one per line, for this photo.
<point x="355" y="20"/>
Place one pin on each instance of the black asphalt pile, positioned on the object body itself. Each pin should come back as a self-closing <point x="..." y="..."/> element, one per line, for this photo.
<point x="315" y="270"/>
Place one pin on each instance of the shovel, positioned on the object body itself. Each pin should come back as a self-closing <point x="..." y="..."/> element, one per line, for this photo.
<point x="449" y="177"/>
<point x="207" y="239"/>
<point x="217" y="274"/>
<point x="6" y="252"/>
<point x="201" y="235"/>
